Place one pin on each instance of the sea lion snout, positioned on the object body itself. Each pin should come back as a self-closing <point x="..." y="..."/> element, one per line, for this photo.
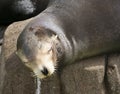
<point x="45" y="71"/>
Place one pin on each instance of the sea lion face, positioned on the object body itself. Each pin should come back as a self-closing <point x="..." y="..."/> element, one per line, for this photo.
<point x="45" y="61"/>
<point x="38" y="55"/>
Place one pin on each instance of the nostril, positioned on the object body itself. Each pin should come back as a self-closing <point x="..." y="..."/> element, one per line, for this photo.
<point x="45" y="71"/>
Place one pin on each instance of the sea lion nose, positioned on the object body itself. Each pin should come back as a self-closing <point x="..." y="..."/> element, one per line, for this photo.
<point x="45" y="71"/>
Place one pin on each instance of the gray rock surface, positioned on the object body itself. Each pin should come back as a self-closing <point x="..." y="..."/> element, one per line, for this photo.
<point x="84" y="77"/>
<point x="51" y="85"/>
<point x="15" y="77"/>
<point x="113" y="74"/>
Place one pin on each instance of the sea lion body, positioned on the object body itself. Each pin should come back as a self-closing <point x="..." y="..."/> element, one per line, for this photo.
<point x="84" y="28"/>
<point x="16" y="10"/>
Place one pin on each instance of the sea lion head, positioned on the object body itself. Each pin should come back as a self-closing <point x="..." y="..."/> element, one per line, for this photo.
<point x="36" y="47"/>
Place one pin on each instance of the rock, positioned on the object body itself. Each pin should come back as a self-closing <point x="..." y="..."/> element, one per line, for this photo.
<point x="84" y="77"/>
<point x="113" y="74"/>
<point x="51" y="85"/>
<point x="16" y="78"/>
<point x="11" y="35"/>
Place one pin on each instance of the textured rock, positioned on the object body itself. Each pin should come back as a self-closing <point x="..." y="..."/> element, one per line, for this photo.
<point x="10" y="37"/>
<point x="51" y="85"/>
<point x="16" y="78"/>
<point x="113" y="74"/>
<point x="85" y="77"/>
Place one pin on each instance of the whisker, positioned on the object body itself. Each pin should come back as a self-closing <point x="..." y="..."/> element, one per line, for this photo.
<point x="56" y="67"/>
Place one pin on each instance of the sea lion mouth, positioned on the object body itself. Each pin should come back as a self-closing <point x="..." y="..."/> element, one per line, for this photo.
<point x="44" y="72"/>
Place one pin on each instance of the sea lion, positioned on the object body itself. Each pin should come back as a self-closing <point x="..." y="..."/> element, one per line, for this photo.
<point x="69" y="30"/>
<point x="16" y="10"/>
